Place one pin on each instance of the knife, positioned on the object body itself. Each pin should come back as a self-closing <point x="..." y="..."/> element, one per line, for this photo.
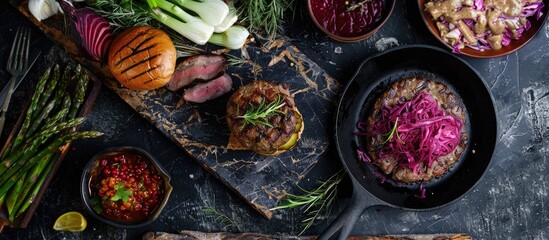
<point x="9" y="89"/>
<point x="18" y="81"/>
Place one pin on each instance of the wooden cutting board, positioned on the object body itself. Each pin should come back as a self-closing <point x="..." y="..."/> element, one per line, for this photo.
<point x="193" y="235"/>
<point x="201" y="130"/>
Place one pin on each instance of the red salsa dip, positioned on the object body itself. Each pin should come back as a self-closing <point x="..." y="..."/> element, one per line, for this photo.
<point x="125" y="187"/>
<point x="347" y="18"/>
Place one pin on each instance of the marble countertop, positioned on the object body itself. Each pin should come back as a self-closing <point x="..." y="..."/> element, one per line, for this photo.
<point x="511" y="201"/>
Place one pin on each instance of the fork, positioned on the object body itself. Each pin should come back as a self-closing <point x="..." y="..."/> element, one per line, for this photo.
<point x="18" y="62"/>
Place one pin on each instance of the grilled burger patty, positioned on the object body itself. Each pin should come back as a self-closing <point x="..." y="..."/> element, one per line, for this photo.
<point x="261" y="138"/>
<point x="408" y="89"/>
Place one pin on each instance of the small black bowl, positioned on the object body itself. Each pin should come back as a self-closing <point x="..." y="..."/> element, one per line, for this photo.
<point x="317" y="16"/>
<point x="94" y="162"/>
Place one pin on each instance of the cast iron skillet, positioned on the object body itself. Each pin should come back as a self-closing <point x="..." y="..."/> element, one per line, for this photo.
<point x="372" y="77"/>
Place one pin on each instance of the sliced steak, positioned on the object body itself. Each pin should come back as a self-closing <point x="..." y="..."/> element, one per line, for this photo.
<point x="209" y="90"/>
<point x="198" y="68"/>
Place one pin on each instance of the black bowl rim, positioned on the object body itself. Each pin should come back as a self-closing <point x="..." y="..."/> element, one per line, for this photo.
<point x="357" y="38"/>
<point x="435" y="34"/>
<point x="84" y="187"/>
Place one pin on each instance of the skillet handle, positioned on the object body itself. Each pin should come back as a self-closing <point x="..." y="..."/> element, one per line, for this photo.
<point x="345" y="222"/>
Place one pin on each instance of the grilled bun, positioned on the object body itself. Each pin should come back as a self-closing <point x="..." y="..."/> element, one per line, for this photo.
<point x="142" y="58"/>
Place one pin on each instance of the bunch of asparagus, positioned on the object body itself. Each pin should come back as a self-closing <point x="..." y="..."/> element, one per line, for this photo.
<point x="49" y="125"/>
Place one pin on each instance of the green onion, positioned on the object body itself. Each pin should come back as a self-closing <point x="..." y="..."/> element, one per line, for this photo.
<point x="229" y="20"/>
<point x="188" y="26"/>
<point x="212" y="12"/>
<point x="234" y="38"/>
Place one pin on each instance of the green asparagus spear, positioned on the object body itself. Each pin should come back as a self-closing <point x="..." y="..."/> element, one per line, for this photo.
<point x="8" y="179"/>
<point x="59" y="111"/>
<point x="52" y="84"/>
<point x="27" y="201"/>
<point x="61" y="114"/>
<point x="64" y="80"/>
<point x="59" y="95"/>
<point x="31" y="179"/>
<point x="13" y="195"/>
<point x="34" y="143"/>
<point x="2" y="199"/>
<point x="81" y="87"/>
<point x="38" y="93"/>
<point x="40" y="118"/>
<point x="11" y="181"/>
<point x="28" y="117"/>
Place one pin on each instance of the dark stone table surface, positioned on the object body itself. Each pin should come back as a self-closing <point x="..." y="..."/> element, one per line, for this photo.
<point x="511" y="201"/>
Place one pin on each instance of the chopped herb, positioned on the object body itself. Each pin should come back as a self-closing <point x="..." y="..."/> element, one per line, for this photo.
<point x="121" y="193"/>
<point x="96" y="204"/>
<point x="355" y="5"/>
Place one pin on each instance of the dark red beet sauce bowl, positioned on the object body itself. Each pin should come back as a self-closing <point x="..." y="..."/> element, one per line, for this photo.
<point x="125" y="187"/>
<point x="350" y="20"/>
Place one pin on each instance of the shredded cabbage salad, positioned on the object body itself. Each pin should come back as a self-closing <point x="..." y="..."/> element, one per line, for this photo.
<point x="415" y="131"/>
<point x="459" y="36"/>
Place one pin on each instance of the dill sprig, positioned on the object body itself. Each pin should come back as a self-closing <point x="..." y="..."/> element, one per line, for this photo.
<point x="391" y="133"/>
<point x="220" y="218"/>
<point x="315" y="203"/>
<point x="259" y="114"/>
<point x="266" y="15"/>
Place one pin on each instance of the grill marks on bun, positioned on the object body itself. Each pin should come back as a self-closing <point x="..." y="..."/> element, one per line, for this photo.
<point x="142" y="58"/>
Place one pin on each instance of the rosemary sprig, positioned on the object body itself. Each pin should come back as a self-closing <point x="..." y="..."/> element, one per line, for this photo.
<point x="220" y="218"/>
<point x="259" y="114"/>
<point x="315" y="203"/>
<point x="391" y="133"/>
<point x="186" y="50"/>
<point x="267" y="15"/>
<point x="355" y="5"/>
<point x="236" y="61"/>
<point x="123" y="14"/>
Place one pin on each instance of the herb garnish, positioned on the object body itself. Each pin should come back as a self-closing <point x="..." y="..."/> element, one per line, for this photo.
<point x="221" y="218"/>
<point x="121" y="193"/>
<point x="392" y="133"/>
<point x="96" y="204"/>
<point x="123" y="14"/>
<point x="260" y="114"/>
<point x="264" y="14"/>
<point x="355" y="5"/>
<point x="315" y="203"/>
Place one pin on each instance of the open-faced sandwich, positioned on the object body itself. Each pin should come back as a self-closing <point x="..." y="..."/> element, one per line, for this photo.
<point x="415" y="131"/>
<point x="263" y="117"/>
